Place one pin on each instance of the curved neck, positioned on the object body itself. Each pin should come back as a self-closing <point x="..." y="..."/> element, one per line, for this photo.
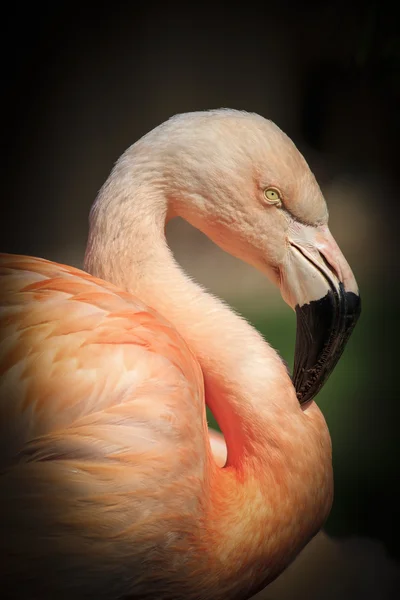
<point x="246" y="383"/>
<point x="279" y="458"/>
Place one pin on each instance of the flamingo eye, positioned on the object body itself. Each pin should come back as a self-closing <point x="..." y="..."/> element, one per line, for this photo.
<point x="272" y="195"/>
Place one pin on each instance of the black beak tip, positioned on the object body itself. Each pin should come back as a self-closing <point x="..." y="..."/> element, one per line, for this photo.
<point x="353" y="302"/>
<point x="323" y="328"/>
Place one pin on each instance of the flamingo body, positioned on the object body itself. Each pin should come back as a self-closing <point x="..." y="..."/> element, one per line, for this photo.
<point x="96" y="390"/>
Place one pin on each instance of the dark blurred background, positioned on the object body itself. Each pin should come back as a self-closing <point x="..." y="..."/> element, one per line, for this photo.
<point x="80" y="84"/>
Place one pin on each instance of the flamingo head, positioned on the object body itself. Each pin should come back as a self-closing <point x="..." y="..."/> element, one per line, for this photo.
<point x="237" y="177"/>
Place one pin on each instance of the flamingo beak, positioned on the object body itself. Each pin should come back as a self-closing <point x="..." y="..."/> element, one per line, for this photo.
<point x="319" y="285"/>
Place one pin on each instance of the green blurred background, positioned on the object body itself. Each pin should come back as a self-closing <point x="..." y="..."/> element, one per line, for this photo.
<point x="83" y="83"/>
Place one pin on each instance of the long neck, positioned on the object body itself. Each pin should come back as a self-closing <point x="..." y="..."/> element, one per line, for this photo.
<point x="246" y="383"/>
<point x="279" y="457"/>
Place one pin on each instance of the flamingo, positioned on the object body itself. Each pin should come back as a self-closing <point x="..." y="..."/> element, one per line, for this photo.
<point x="112" y="486"/>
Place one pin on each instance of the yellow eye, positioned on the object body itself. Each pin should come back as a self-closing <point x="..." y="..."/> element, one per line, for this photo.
<point x="272" y="195"/>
